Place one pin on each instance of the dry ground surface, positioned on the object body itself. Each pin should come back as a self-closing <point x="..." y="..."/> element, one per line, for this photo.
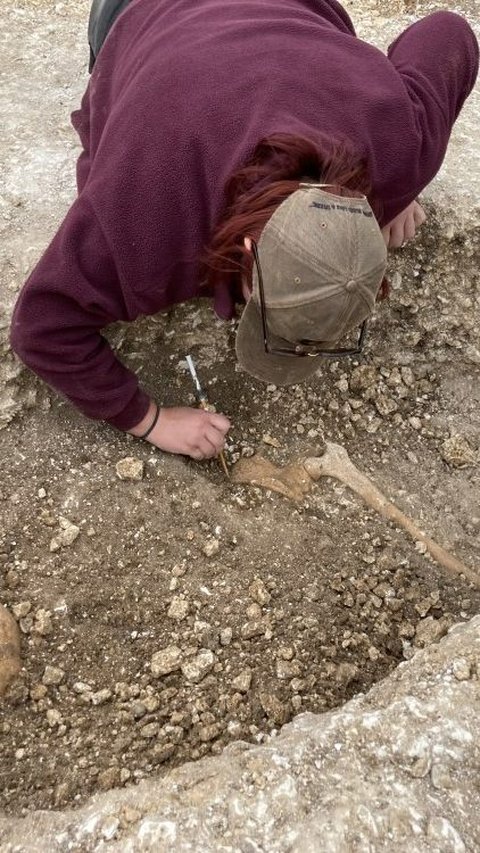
<point x="165" y="616"/>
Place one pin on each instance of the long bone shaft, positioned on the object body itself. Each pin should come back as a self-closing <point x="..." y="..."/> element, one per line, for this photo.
<point x="336" y="463"/>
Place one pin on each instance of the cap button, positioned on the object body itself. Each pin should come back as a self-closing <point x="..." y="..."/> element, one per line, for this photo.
<point x="351" y="285"/>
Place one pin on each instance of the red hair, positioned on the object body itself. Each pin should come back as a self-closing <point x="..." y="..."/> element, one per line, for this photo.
<point x="252" y="194"/>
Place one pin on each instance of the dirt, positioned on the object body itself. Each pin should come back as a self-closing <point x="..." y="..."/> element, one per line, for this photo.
<point x="266" y="608"/>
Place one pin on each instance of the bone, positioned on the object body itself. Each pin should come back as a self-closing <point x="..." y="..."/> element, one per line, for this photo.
<point x="9" y="649"/>
<point x="293" y="481"/>
<point x="336" y="463"/>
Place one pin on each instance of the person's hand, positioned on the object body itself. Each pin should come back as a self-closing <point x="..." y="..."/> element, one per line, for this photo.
<point x="192" y="432"/>
<point x="404" y="226"/>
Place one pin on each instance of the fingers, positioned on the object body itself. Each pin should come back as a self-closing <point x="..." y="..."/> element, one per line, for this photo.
<point x="210" y="444"/>
<point x="404" y="226"/>
<point x="396" y="235"/>
<point x="409" y="228"/>
<point x="220" y="422"/>
<point x="419" y="214"/>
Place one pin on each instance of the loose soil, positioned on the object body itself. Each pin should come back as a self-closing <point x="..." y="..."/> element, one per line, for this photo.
<point x="273" y="608"/>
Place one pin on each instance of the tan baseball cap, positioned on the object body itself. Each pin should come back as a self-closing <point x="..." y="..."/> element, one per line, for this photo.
<point x="323" y="259"/>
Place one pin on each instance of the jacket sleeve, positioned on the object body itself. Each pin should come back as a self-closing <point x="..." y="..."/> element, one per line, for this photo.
<point x="437" y="59"/>
<point x="72" y="294"/>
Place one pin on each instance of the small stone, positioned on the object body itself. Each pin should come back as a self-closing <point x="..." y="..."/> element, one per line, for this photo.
<point x="101" y="696"/>
<point x="211" y="547"/>
<point x="162" y="752"/>
<point x="152" y="703"/>
<point x="287" y="669"/>
<point x="363" y="377"/>
<point x="165" y="661"/>
<point x="81" y="687"/>
<point x="179" y="609"/>
<point x="385" y="405"/>
<point x="226" y="636"/>
<point x="208" y="733"/>
<point x="108" y="779"/>
<point x="296" y="702"/>
<point x="150" y="730"/>
<point x="67" y="535"/>
<point x="423" y="606"/>
<point x="298" y="684"/>
<point x="406" y="630"/>
<point x="421" y="766"/>
<point x="346" y="672"/>
<point x="20" y="610"/>
<point x="130" y="468"/>
<point x="274" y="709"/>
<point x="254" y="611"/>
<point x="258" y="591"/>
<point x="267" y="439"/>
<point x="407" y="376"/>
<point x="415" y="423"/>
<point x="138" y="710"/>
<point x="456" y="451"/>
<point x="430" y="630"/>
<point x="196" y="669"/>
<point x="54" y="717"/>
<point x="461" y="669"/>
<point x="252" y="629"/>
<point x="125" y="775"/>
<point x="243" y="681"/>
<point x="286" y="652"/>
<point x="52" y="675"/>
<point x="43" y="623"/>
<point x="37" y="692"/>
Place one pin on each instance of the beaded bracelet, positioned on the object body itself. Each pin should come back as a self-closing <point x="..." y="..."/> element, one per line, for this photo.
<point x="153" y="424"/>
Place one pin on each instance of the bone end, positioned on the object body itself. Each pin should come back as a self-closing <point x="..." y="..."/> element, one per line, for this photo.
<point x="332" y="463"/>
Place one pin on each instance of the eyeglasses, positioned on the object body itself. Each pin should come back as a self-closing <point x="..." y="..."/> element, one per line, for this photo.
<point x="301" y="348"/>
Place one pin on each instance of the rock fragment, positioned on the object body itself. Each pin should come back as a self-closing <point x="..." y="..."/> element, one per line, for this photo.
<point x="211" y="547"/>
<point x="243" y="681"/>
<point x="165" y="661"/>
<point x="195" y="670"/>
<point x="431" y="630"/>
<point x="457" y="452"/>
<point x="179" y="609"/>
<point x="274" y="708"/>
<point x="52" y="675"/>
<point x="258" y="591"/>
<point x="66" y="536"/>
<point x="130" y="468"/>
<point x="43" y="622"/>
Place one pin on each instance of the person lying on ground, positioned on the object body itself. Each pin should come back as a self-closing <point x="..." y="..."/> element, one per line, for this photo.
<point x="249" y="151"/>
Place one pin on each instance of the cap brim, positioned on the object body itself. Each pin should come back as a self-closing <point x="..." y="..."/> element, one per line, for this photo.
<point x="274" y="369"/>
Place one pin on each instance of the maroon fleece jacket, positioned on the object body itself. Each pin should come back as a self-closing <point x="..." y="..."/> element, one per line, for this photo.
<point x="180" y="95"/>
